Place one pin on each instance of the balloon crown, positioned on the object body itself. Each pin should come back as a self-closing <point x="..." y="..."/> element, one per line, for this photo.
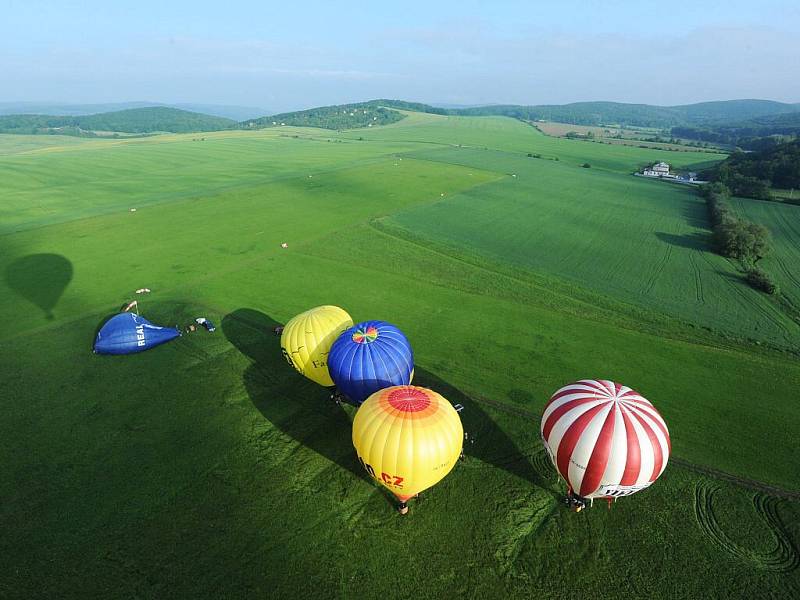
<point x="365" y="335"/>
<point x="408" y="399"/>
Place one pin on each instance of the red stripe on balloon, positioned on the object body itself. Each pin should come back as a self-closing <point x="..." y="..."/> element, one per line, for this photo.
<point x="659" y="421"/>
<point x="568" y="391"/>
<point x="658" y="457"/>
<point x="633" y="461"/>
<point x="571" y="437"/>
<point x="596" y="385"/>
<point x="599" y="459"/>
<point x="553" y="418"/>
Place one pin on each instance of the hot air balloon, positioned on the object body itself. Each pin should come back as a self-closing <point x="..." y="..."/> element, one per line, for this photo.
<point x="368" y="357"/>
<point x="407" y="438"/>
<point x="127" y="333"/>
<point x="604" y="439"/>
<point x="307" y="338"/>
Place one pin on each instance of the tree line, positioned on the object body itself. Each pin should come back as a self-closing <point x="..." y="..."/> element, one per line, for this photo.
<point x="737" y="238"/>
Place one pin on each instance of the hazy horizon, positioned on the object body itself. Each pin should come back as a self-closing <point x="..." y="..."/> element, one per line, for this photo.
<point x="465" y="53"/>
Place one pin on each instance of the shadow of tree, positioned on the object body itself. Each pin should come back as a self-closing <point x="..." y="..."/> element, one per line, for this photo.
<point x="694" y="241"/>
<point x="40" y="278"/>
<point x="696" y="214"/>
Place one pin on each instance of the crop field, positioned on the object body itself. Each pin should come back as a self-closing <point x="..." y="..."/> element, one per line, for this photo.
<point x="783" y="222"/>
<point x="208" y="468"/>
<point x="509" y="135"/>
<point x="615" y="135"/>
<point x="641" y="242"/>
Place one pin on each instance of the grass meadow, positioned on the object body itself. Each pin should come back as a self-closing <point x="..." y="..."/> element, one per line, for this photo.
<point x="206" y="467"/>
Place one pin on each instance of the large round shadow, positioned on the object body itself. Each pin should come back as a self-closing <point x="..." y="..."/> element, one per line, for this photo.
<point x="40" y="279"/>
<point x="303" y="410"/>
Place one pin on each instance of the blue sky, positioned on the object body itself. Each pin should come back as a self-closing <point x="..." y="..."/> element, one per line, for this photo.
<point x="294" y="55"/>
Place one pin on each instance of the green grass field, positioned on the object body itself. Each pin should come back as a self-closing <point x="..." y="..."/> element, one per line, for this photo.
<point x="208" y="468"/>
<point x="783" y="221"/>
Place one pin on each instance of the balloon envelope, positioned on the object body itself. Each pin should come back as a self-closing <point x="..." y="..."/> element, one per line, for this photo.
<point x="604" y="439"/>
<point x="408" y="438"/>
<point x="307" y="338"/>
<point x="368" y="357"/>
<point x="127" y="333"/>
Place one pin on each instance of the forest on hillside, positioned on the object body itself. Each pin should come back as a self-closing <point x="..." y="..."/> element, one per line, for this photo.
<point x="753" y="174"/>
<point x="136" y="120"/>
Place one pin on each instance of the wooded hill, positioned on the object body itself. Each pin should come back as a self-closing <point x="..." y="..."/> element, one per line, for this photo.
<point x="136" y="120"/>
<point x="753" y="174"/>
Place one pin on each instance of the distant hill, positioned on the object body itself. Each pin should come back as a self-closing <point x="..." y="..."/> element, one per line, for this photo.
<point x="733" y="110"/>
<point x="235" y="112"/>
<point x="578" y="113"/>
<point x="641" y="115"/>
<point x="66" y="109"/>
<point x="134" y="120"/>
<point x="342" y="116"/>
<point x="757" y="133"/>
<point x="228" y="111"/>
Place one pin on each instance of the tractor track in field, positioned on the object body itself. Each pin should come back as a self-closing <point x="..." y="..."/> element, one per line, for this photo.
<point x="795" y="279"/>
<point x="744" y="482"/>
<point x="782" y="558"/>
<point x="659" y="268"/>
<point x="759" y="309"/>
<point x="698" y="280"/>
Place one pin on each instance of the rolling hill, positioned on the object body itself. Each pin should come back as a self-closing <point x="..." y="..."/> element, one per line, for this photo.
<point x="578" y="113"/>
<point x="748" y="134"/>
<point x="228" y="111"/>
<point x="133" y="120"/>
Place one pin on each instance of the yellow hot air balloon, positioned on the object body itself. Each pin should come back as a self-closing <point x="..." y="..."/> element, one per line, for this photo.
<point x="307" y="339"/>
<point x="408" y="438"/>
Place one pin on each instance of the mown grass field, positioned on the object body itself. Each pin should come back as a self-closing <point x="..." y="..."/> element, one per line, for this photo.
<point x="208" y="468"/>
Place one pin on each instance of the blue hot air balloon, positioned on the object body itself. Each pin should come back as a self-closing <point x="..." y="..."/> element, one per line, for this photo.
<point x="127" y="333"/>
<point x="368" y="357"/>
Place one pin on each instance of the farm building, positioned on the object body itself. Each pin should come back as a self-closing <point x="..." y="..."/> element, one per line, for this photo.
<point x="660" y="169"/>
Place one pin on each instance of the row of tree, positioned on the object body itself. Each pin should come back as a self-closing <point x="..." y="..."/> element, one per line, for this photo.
<point x="736" y="238"/>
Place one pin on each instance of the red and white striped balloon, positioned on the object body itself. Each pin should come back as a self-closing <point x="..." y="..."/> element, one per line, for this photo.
<point x="604" y="439"/>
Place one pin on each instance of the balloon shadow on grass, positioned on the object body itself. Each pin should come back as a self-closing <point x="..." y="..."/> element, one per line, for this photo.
<point x="298" y="407"/>
<point x="487" y="441"/>
<point x="40" y="278"/>
<point x="302" y="409"/>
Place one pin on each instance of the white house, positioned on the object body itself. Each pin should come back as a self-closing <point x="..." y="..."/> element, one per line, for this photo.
<point x="660" y="169"/>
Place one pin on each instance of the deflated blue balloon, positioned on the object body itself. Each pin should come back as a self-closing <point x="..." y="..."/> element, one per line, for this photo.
<point x="127" y="333"/>
<point x="368" y="357"/>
